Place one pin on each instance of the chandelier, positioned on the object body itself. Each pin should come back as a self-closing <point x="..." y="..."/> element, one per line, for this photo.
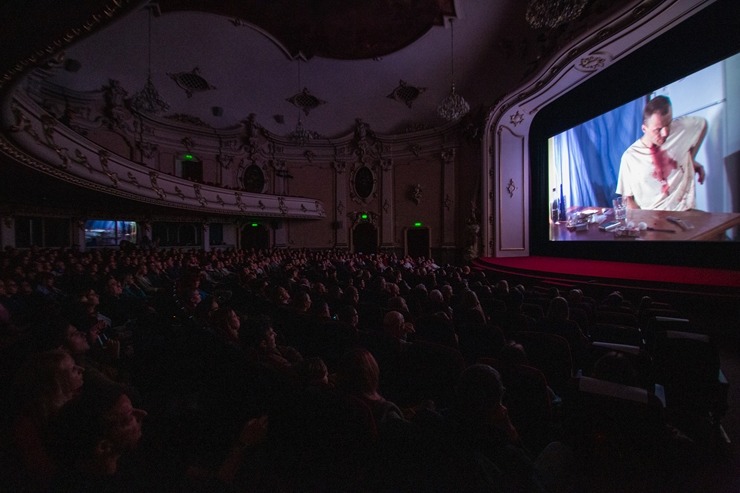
<point x="454" y="106"/>
<point x="303" y="100"/>
<point x="300" y="134"/>
<point x="148" y="99"/>
<point x="553" y="13"/>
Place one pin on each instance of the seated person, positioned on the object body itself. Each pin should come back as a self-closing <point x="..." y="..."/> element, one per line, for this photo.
<point x="91" y="435"/>
<point x="43" y="385"/>
<point x="657" y="171"/>
<point x="260" y="341"/>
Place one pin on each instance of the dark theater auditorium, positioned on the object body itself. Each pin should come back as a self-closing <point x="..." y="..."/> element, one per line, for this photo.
<point x="370" y="246"/>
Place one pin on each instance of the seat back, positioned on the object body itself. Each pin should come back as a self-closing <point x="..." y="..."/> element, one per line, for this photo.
<point x="549" y="353"/>
<point x="615" y="317"/>
<point x="618" y="334"/>
<point x="615" y="428"/>
<point x="659" y="325"/>
<point x="688" y="366"/>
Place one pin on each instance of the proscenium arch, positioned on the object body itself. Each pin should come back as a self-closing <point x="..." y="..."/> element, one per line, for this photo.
<point x="506" y="172"/>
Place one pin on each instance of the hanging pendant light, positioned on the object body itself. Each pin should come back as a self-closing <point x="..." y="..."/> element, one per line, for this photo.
<point x="148" y="99"/>
<point x="454" y="106"/>
<point x="300" y="134"/>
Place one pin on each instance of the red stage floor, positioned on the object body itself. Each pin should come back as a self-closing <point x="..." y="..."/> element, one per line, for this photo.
<point x="569" y="269"/>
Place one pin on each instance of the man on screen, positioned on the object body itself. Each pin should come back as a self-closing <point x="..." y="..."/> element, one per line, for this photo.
<point x="657" y="171"/>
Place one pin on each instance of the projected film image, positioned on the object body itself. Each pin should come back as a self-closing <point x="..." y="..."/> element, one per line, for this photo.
<point x="662" y="167"/>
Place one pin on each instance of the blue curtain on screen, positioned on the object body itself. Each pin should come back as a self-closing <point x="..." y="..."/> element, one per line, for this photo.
<point x="587" y="156"/>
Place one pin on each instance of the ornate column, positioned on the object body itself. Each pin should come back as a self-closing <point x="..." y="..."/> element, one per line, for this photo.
<point x="387" y="240"/>
<point x="206" y="237"/>
<point x="7" y="231"/>
<point x="77" y="233"/>
<point x="340" y="204"/>
<point x="448" y="198"/>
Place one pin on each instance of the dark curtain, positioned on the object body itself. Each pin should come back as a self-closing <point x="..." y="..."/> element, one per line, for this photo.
<point x="587" y="156"/>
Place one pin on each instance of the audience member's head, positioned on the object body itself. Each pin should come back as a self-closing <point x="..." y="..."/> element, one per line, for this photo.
<point x="47" y="381"/>
<point x="513" y="354"/>
<point x="393" y="325"/>
<point x="312" y="372"/>
<point x="260" y="334"/>
<point x="358" y="373"/>
<point x="92" y="432"/>
<point x="558" y="309"/>
<point x="478" y="394"/>
<point x="227" y="323"/>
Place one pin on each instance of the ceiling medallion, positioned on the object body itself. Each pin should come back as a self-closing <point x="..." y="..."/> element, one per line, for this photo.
<point x="191" y="82"/>
<point x="517" y="118"/>
<point x="406" y="93"/>
<point x="305" y="101"/>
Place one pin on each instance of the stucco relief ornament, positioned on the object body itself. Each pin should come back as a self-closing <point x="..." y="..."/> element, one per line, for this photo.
<point x="416" y="193"/>
<point x="239" y="203"/>
<point x="188" y="143"/>
<point x="517" y="118"/>
<point x="281" y="205"/>
<point x="339" y="166"/>
<point x="199" y="195"/>
<point x="133" y="180"/>
<point x="153" y="176"/>
<point x="179" y="192"/>
<point x="511" y="187"/>
<point x="472" y="231"/>
<point x="591" y="63"/>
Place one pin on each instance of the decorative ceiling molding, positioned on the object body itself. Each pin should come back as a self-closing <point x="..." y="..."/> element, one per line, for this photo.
<point x="327" y="28"/>
<point x="406" y="93"/>
<point x="191" y="82"/>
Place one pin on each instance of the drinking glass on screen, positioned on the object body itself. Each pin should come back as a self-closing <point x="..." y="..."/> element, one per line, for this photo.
<point x="620" y="210"/>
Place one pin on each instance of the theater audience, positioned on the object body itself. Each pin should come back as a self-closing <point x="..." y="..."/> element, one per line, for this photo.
<point x="221" y="354"/>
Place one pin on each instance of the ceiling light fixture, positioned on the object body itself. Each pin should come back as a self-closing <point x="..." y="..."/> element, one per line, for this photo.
<point x="300" y="134"/>
<point x="148" y="99"/>
<point x="454" y="106"/>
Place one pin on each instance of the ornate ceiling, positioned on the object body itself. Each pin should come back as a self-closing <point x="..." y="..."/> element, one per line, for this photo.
<point x="216" y="62"/>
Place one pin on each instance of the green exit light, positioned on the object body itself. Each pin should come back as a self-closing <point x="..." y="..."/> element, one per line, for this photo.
<point x="417" y="224"/>
<point x="188" y="157"/>
<point x="254" y="225"/>
<point x="363" y="216"/>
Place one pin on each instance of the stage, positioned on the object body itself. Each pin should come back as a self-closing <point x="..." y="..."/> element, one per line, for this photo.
<point x="615" y="275"/>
